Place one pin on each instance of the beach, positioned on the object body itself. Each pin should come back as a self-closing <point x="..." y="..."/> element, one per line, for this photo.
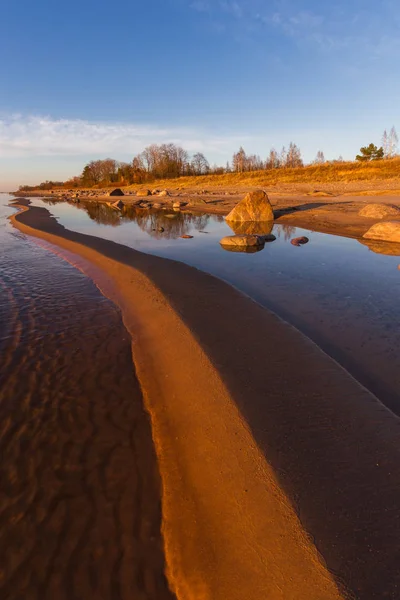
<point x="280" y="473"/>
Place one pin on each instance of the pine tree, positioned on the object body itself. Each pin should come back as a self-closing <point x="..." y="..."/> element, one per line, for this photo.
<point x="370" y="152"/>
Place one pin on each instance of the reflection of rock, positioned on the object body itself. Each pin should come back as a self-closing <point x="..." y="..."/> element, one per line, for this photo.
<point x="379" y="211"/>
<point x="299" y="241"/>
<point x="119" y="205"/>
<point x="251" y="228"/>
<point x="386" y="231"/>
<point x="244" y="249"/>
<point x="117" y="192"/>
<point x="387" y="248"/>
<point x="242" y="241"/>
<point x="255" y="206"/>
<point x="142" y="193"/>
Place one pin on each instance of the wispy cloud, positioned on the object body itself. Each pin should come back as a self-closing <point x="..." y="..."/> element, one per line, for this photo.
<point x="22" y="136"/>
<point x="331" y="27"/>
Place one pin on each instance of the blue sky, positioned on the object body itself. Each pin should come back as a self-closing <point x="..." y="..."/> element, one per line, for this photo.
<point x="87" y="79"/>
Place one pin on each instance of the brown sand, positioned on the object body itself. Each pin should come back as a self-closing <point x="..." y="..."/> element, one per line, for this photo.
<point x="268" y="450"/>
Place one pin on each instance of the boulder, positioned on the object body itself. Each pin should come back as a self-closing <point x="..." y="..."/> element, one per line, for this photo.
<point x="242" y="241"/>
<point x="117" y="192"/>
<point x="380" y="211"/>
<point x="255" y="206"/>
<point x="142" y="193"/>
<point x="164" y="193"/>
<point x="386" y="231"/>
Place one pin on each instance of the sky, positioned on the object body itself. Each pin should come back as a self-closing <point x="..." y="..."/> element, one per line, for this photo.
<point x="83" y="80"/>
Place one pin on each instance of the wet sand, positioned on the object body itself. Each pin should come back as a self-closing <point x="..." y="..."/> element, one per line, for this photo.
<point x="80" y="499"/>
<point x="281" y="474"/>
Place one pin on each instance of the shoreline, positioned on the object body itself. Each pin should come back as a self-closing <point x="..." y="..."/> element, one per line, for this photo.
<point x="335" y="214"/>
<point x="257" y="453"/>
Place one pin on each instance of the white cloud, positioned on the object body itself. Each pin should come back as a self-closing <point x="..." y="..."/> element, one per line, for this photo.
<point x="22" y="136"/>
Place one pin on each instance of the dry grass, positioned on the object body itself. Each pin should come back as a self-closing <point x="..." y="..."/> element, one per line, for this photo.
<point x="328" y="173"/>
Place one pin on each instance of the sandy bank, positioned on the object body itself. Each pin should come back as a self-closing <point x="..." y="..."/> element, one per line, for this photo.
<point x="281" y="474"/>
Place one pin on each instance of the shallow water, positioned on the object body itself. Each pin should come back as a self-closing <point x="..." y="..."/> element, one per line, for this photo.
<point x="340" y="293"/>
<point x="79" y="499"/>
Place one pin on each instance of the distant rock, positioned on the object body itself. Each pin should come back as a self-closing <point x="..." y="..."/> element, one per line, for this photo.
<point x="386" y="231"/>
<point x="379" y="211"/>
<point x="299" y="241"/>
<point x="242" y="240"/>
<point x="164" y="193"/>
<point x="255" y="206"/>
<point x="155" y="192"/>
<point x="186" y="237"/>
<point x="142" y="193"/>
<point x="117" y="192"/>
<point x="176" y="205"/>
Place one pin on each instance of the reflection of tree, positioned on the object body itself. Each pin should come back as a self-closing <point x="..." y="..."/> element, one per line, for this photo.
<point x="165" y="224"/>
<point x="287" y="230"/>
<point x="101" y="213"/>
<point x="50" y="201"/>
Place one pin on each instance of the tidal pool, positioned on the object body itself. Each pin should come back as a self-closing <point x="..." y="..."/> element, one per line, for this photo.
<point x="341" y="293"/>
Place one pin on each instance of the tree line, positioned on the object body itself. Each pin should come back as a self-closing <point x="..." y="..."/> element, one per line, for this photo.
<point x="170" y="161"/>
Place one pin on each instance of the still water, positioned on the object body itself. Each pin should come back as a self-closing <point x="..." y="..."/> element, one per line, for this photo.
<point x="337" y="290"/>
<point x="79" y="498"/>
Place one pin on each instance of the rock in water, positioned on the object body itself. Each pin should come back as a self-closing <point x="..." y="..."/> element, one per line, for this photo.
<point x="380" y="211"/>
<point x="142" y="193"/>
<point x="299" y="241"/>
<point x="386" y="231"/>
<point x="244" y="241"/>
<point x="117" y="192"/>
<point x="255" y="206"/>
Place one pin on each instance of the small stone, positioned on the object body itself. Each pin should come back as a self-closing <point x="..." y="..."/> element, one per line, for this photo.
<point x="300" y="241"/>
<point x="186" y="237"/>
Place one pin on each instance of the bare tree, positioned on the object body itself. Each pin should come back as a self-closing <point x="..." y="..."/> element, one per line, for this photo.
<point x="320" y="158"/>
<point x="273" y="161"/>
<point x="199" y="164"/>
<point x="393" y="140"/>
<point x="293" y="158"/>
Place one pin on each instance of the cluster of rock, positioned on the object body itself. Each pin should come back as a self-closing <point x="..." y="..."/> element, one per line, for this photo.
<point x="385" y="230"/>
<point x="252" y="221"/>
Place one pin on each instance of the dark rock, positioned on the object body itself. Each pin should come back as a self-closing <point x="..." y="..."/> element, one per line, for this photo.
<point x="117" y="192"/>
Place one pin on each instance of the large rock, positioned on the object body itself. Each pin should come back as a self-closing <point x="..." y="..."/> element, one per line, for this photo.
<point x="117" y="192"/>
<point x="142" y="193"/>
<point x="255" y="206"/>
<point x="380" y="211"/>
<point x="386" y="231"/>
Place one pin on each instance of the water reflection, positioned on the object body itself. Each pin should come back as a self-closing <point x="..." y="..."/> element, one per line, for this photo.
<point x="387" y="248"/>
<point x="250" y="228"/>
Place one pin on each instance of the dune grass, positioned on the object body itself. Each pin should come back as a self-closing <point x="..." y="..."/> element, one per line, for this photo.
<point x="344" y="172"/>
